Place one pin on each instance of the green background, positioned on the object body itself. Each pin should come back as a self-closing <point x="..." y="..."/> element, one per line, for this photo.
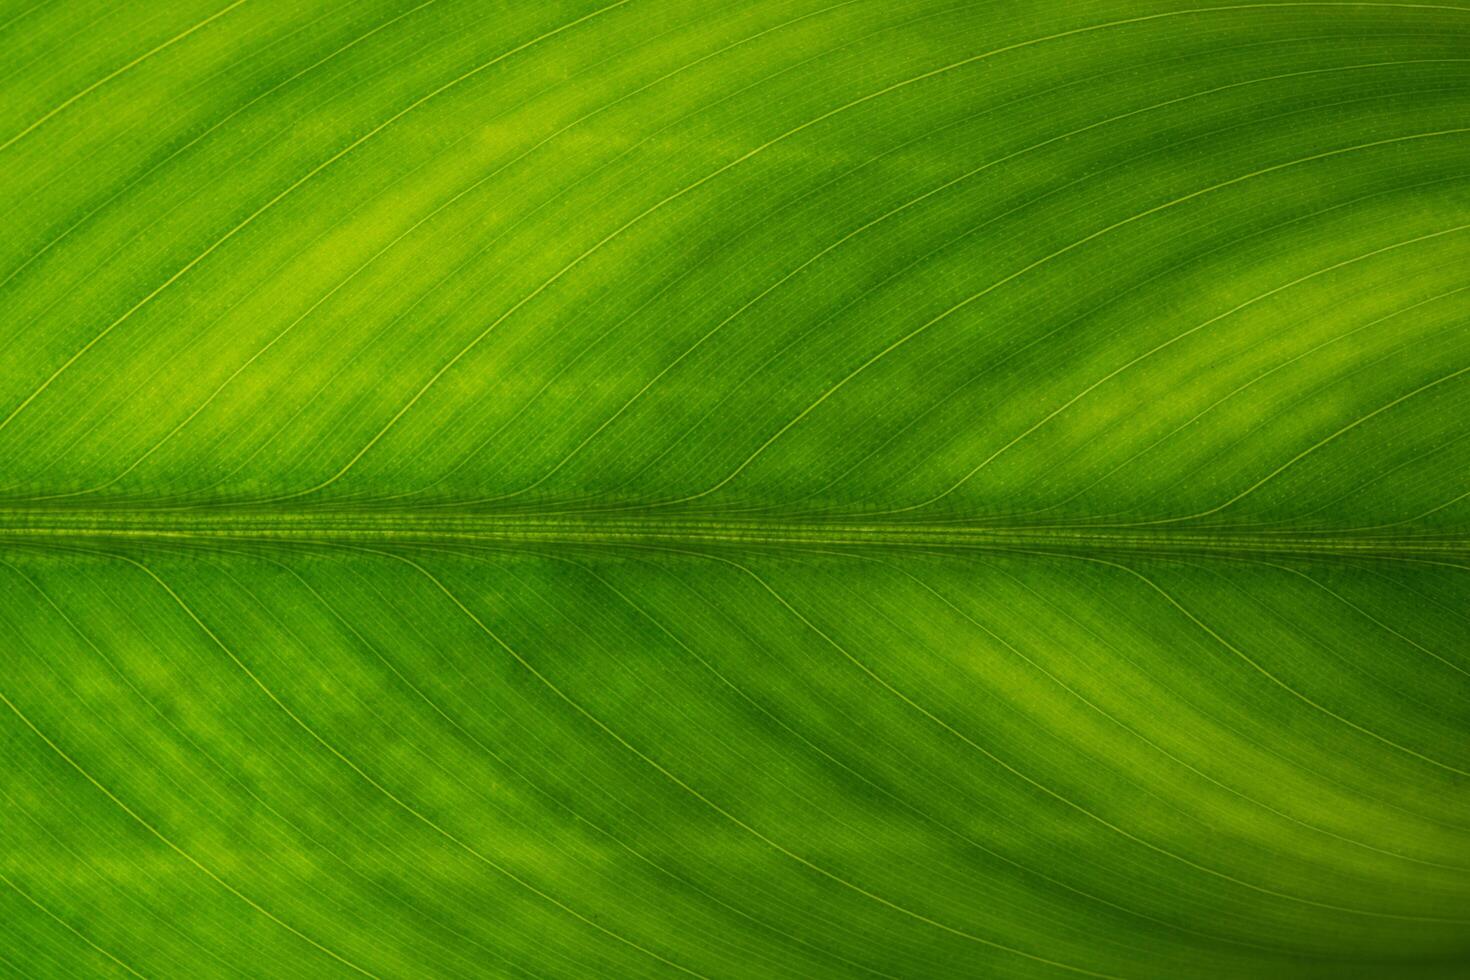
<point x="772" y="489"/>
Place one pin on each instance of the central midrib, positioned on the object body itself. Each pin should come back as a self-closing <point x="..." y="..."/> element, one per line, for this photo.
<point x="39" y="525"/>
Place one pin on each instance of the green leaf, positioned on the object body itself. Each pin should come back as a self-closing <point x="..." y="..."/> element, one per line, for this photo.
<point x="771" y="489"/>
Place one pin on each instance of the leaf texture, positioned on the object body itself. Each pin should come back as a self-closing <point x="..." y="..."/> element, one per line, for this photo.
<point x="768" y="489"/>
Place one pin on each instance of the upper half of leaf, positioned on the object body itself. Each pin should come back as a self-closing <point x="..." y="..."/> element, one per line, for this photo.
<point x="1117" y="263"/>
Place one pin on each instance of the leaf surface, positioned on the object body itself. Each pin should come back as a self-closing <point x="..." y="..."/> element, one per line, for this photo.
<point x="767" y="489"/>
